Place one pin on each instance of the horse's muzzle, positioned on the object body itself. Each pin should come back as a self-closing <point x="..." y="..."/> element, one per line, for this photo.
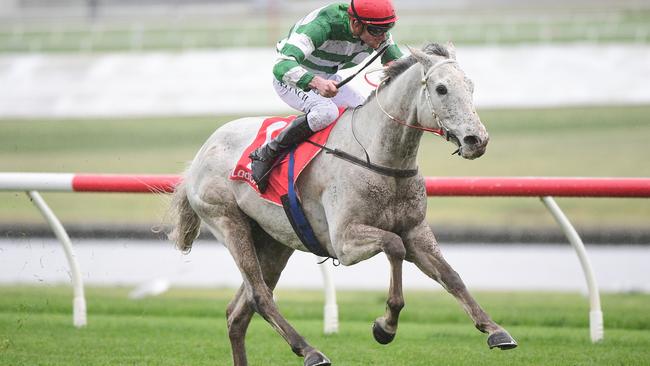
<point x="473" y="147"/>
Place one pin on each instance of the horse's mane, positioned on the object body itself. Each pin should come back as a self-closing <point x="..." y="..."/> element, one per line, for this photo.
<point x="403" y="64"/>
<point x="399" y="66"/>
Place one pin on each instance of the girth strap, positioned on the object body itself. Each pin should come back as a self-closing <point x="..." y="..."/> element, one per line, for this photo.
<point x="297" y="218"/>
<point x="390" y="172"/>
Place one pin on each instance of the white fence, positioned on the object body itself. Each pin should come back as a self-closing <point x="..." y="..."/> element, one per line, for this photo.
<point x="580" y="187"/>
<point x="215" y="82"/>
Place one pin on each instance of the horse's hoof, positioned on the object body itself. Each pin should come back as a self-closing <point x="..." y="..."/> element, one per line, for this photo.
<point x="501" y="339"/>
<point x="381" y="336"/>
<point x="317" y="359"/>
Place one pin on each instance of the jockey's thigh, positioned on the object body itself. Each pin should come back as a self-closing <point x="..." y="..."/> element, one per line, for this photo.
<point x="321" y="111"/>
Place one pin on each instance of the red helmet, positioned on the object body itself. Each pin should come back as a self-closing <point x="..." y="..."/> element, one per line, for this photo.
<point x="373" y="11"/>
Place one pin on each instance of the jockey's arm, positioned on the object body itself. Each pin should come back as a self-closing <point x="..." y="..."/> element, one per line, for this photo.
<point x="303" y="79"/>
<point x="292" y="53"/>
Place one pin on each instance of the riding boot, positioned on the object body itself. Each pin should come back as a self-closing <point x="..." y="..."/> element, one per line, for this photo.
<point x="262" y="159"/>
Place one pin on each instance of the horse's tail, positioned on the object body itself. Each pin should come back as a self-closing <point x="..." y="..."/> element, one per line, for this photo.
<point x="185" y="223"/>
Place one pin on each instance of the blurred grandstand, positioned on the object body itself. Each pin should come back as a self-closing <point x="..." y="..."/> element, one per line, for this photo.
<point x="108" y="25"/>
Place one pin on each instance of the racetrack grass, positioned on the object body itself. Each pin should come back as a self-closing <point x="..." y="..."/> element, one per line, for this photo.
<point x="187" y="327"/>
<point x="589" y="141"/>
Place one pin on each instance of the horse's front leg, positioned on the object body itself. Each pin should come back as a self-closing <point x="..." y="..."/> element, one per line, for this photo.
<point x="423" y="250"/>
<point x="360" y="242"/>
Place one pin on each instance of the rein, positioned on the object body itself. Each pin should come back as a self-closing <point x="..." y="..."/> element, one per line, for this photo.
<point x="347" y="80"/>
<point x="442" y="130"/>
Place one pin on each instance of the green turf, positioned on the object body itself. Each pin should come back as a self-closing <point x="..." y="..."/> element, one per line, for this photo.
<point x="591" y="142"/>
<point x="187" y="327"/>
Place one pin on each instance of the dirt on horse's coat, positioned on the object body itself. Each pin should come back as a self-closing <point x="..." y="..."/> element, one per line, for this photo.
<point x="354" y="212"/>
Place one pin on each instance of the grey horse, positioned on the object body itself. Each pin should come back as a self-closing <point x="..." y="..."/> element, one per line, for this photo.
<point x="355" y="212"/>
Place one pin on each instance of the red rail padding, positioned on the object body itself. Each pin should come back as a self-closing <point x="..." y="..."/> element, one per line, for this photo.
<point x="538" y="186"/>
<point x="458" y="186"/>
<point x="124" y="183"/>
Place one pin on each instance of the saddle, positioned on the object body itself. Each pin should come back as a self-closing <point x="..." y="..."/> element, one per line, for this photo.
<point x="281" y="189"/>
<point x="278" y="177"/>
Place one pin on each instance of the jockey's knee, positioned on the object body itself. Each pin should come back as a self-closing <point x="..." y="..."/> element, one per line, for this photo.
<point x="322" y="116"/>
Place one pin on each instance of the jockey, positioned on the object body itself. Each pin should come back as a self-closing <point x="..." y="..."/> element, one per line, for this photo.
<point x="331" y="38"/>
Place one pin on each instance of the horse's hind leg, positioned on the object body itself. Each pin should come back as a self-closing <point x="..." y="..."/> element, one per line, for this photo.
<point x="272" y="257"/>
<point x="424" y="252"/>
<point x="219" y="211"/>
<point x="238" y="317"/>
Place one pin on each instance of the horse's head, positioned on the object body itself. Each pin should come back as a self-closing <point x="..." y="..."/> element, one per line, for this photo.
<point x="446" y="100"/>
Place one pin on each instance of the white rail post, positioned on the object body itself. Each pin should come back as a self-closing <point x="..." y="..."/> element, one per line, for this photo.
<point x="595" y="315"/>
<point x="79" y="300"/>
<point x="331" y="309"/>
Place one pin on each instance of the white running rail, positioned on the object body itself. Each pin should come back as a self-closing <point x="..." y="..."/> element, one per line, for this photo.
<point x="461" y="186"/>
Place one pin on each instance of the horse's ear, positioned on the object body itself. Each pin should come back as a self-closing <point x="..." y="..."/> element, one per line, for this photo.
<point x="451" y="49"/>
<point x="420" y="56"/>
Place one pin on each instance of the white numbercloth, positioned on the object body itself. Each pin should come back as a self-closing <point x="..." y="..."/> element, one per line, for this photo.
<point x="321" y="111"/>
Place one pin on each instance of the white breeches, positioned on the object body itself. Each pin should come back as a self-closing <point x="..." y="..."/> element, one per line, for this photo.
<point x="321" y="111"/>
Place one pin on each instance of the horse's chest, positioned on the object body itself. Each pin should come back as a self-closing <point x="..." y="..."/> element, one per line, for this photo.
<point x="381" y="203"/>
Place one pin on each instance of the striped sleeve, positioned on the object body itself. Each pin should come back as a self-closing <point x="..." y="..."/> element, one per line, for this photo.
<point x="392" y="52"/>
<point x="292" y="52"/>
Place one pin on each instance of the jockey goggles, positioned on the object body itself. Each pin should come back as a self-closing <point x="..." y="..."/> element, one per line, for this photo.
<point x="378" y="29"/>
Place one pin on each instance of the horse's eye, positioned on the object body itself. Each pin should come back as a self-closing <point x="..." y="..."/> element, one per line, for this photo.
<point x="441" y="89"/>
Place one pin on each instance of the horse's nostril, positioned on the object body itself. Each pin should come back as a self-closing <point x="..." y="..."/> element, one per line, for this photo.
<point x="471" y="140"/>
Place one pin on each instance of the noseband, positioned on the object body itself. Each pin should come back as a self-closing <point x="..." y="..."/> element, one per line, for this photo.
<point x="442" y="130"/>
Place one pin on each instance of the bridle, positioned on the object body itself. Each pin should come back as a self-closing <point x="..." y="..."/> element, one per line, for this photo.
<point x="442" y="130"/>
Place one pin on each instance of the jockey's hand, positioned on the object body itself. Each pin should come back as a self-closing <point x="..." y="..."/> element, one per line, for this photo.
<point x="326" y="88"/>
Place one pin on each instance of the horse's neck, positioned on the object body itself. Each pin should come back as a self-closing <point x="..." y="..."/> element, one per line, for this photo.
<point x="387" y="142"/>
